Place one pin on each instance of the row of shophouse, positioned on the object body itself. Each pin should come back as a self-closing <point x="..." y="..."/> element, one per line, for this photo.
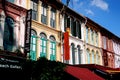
<point x="57" y="33"/>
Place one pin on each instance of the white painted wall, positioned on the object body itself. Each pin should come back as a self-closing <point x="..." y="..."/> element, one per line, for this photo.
<point x="2" y="20"/>
<point x="116" y="48"/>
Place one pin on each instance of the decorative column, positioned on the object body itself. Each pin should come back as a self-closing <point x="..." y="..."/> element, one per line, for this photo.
<point x="58" y="51"/>
<point x="37" y="46"/>
<point x="48" y="49"/>
<point x="39" y="11"/>
<point x="28" y="4"/>
<point x="48" y="14"/>
<point x="99" y="40"/>
<point x="76" y="56"/>
<point x="57" y="20"/>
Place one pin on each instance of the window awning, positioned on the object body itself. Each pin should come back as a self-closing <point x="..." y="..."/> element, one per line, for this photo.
<point x="104" y="69"/>
<point x="82" y="73"/>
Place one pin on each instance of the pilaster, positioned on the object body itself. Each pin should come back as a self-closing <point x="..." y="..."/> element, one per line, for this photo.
<point x="49" y="14"/>
<point x="39" y="11"/>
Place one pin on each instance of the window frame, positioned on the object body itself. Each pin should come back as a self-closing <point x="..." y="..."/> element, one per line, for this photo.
<point x="44" y="13"/>
<point x="43" y="45"/>
<point x="53" y="18"/>
<point x="32" y="52"/>
<point x="52" y="48"/>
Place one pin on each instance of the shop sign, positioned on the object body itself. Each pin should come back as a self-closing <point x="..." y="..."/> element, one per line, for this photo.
<point x="6" y="62"/>
<point x="28" y="31"/>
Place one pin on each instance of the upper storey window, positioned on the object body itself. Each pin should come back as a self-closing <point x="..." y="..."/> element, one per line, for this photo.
<point x="34" y="7"/>
<point x="78" y="29"/>
<point x="104" y="43"/>
<point x="52" y="18"/>
<point x="44" y="14"/>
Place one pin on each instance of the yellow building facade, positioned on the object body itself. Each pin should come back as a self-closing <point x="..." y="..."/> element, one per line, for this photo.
<point x="45" y="31"/>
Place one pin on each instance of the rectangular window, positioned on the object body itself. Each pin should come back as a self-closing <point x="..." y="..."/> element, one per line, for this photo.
<point x="44" y="14"/>
<point x="78" y="29"/>
<point x="68" y="22"/>
<point x="52" y="18"/>
<point x="74" y="28"/>
<point x="104" y="43"/>
<point x="65" y="22"/>
<point x="71" y="26"/>
<point x="34" y="7"/>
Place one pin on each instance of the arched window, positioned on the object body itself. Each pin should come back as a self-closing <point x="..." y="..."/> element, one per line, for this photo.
<point x="33" y="45"/>
<point x="88" y="56"/>
<point x="9" y="34"/>
<point x="79" y="54"/>
<point x="73" y="53"/>
<point x="43" y="45"/>
<point x="52" y="48"/>
<point x="93" y="60"/>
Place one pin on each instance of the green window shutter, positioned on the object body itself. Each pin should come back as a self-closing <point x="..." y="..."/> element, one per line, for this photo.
<point x="43" y="52"/>
<point x="53" y="51"/>
<point x="33" y="48"/>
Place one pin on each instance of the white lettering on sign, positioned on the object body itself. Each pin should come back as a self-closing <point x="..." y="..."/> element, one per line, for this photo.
<point x="10" y="66"/>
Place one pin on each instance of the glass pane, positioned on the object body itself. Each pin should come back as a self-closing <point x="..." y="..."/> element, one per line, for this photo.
<point x="44" y="50"/>
<point x="40" y="42"/>
<point x="44" y="44"/>
<point x="54" y="46"/>
<point x="34" y="40"/>
<point x="31" y="4"/>
<point x="45" y="10"/>
<point x="35" y="6"/>
<point x="53" y="16"/>
<point x="34" y="47"/>
<point x="54" y="52"/>
<point x="42" y="10"/>
<point x="50" y="45"/>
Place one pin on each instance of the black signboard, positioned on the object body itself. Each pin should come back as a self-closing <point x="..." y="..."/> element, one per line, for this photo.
<point x="28" y="31"/>
<point x="10" y="62"/>
<point x="11" y="67"/>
